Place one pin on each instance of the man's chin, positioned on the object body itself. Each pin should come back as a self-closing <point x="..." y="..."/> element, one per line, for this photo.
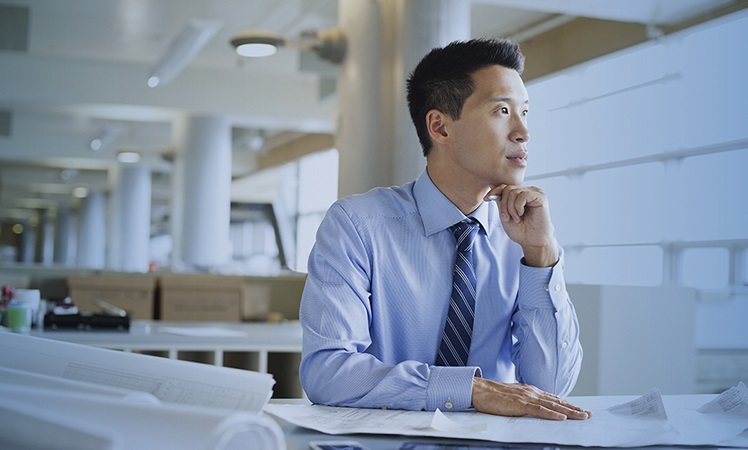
<point x="511" y="181"/>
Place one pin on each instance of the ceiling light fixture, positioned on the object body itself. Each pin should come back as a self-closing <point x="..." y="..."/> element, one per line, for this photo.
<point x="182" y="50"/>
<point x="255" y="44"/>
<point x="80" y="192"/>
<point x="128" y="156"/>
<point x="252" y="139"/>
<point x="329" y="44"/>
<point x="105" y="137"/>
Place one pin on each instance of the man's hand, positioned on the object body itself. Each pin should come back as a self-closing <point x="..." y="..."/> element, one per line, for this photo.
<point x="527" y="221"/>
<point x="515" y="400"/>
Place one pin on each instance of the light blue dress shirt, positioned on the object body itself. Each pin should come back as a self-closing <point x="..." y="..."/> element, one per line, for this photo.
<point x="376" y="299"/>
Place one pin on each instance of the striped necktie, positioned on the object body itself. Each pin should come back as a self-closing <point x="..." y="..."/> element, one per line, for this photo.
<point x="458" y="329"/>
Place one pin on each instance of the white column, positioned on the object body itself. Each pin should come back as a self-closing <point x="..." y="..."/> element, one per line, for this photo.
<point x="377" y="142"/>
<point x="92" y="231"/>
<point x="27" y="243"/>
<point x="410" y="29"/>
<point x="363" y="162"/>
<point x="131" y="219"/>
<point x="176" y="216"/>
<point x="65" y="239"/>
<point x="45" y="239"/>
<point x="205" y="192"/>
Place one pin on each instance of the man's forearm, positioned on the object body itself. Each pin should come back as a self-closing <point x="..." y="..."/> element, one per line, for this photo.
<point x="547" y="352"/>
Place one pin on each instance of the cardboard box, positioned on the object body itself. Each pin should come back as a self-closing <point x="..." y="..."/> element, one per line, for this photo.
<point x="280" y="295"/>
<point x="229" y="298"/>
<point x="133" y="293"/>
<point x="201" y="297"/>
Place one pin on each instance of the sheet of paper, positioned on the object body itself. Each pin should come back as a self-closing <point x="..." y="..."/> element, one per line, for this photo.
<point x="593" y="432"/>
<point x="167" y="379"/>
<point x="722" y="420"/>
<point x="733" y="401"/>
<point x="58" y="418"/>
<point x="440" y="422"/>
<point x="648" y="405"/>
<point x="641" y="422"/>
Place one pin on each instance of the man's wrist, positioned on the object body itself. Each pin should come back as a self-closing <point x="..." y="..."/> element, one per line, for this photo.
<point x="451" y="388"/>
<point x="545" y="256"/>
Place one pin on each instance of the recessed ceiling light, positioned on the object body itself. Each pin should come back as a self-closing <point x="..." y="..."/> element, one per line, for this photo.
<point x="80" y="192"/>
<point x="257" y="43"/>
<point x="330" y="45"/>
<point x="128" y="156"/>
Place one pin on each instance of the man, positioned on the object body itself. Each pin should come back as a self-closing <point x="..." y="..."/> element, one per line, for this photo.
<point x="401" y="311"/>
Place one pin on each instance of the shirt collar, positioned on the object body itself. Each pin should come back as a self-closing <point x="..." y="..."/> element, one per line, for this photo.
<point x="437" y="211"/>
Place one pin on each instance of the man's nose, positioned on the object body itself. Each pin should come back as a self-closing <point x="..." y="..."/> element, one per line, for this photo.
<point x="520" y="133"/>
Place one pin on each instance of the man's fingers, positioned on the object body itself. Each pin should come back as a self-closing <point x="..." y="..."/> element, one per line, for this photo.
<point x="522" y="400"/>
<point x="568" y="410"/>
<point x="558" y="404"/>
<point x="538" y="410"/>
<point x="514" y="200"/>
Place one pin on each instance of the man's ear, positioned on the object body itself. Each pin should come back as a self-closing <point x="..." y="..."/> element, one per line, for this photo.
<point x="437" y="124"/>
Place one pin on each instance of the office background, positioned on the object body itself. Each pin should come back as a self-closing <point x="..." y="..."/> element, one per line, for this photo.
<point x="638" y="129"/>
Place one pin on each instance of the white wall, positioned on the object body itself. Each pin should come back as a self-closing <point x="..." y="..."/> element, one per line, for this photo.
<point x="644" y="156"/>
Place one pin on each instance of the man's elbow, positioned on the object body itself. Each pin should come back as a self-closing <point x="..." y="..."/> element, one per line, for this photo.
<point x="308" y="375"/>
<point x="318" y="381"/>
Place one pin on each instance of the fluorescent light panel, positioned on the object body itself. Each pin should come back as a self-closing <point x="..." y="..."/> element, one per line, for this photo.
<point x="182" y="50"/>
<point x="105" y="137"/>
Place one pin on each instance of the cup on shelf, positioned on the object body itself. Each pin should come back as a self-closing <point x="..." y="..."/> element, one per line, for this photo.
<point x="22" y="309"/>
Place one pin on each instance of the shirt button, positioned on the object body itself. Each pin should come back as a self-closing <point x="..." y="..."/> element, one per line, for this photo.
<point x="449" y="405"/>
<point x="564" y="344"/>
<point x="557" y="287"/>
<point x="545" y="287"/>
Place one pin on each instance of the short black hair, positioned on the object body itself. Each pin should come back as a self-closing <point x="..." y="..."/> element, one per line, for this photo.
<point x="442" y="80"/>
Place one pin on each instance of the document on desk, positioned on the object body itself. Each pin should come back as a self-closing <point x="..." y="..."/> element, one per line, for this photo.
<point x="642" y="422"/>
<point x="42" y="411"/>
<point x="169" y="380"/>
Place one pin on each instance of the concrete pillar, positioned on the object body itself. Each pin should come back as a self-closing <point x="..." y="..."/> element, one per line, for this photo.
<point x="27" y="243"/>
<point x="92" y="231"/>
<point x="410" y="29"/>
<point x="130" y="228"/>
<point x="363" y="163"/>
<point x="65" y="238"/>
<point x="45" y="238"/>
<point x="205" y="192"/>
<point x="176" y="216"/>
<point x="377" y="142"/>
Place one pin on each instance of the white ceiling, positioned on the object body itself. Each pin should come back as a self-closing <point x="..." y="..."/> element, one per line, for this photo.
<point x="87" y="61"/>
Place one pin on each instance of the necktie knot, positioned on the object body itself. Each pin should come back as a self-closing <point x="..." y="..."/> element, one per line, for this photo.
<point x="465" y="232"/>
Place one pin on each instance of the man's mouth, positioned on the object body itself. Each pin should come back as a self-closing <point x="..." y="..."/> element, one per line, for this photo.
<point x="519" y="158"/>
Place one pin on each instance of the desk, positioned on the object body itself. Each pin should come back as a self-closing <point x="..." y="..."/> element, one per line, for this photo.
<point x="251" y="337"/>
<point x="298" y="438"/>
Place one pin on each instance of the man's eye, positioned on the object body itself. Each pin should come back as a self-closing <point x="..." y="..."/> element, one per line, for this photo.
<point x="504" y="110"/>
<point x="525" y="112"/>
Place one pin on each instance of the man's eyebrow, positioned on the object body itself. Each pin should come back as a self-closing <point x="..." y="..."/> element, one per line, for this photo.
<point x="505" y="100"/>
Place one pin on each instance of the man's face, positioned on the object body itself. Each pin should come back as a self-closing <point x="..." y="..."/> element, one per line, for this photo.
<point x="490" y="139"/>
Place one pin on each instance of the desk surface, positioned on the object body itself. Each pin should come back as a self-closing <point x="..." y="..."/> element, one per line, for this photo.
<point x="209" y="336"/>
<point x="298" y="438"/>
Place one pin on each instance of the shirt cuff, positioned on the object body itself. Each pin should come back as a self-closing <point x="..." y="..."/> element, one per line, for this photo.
<point x="541" y="287"/>
<point x="451" y="388"/>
